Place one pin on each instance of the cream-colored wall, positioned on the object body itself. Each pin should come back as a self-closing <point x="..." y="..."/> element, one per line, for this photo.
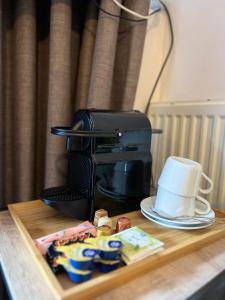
<point x="196" y="69"/>
<point x="151" y="60"/>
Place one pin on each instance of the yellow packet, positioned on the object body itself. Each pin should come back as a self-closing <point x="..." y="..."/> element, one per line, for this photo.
<point x="63" y="261"/>
<point x="74" y="274"/>
<point x="78" y="251"/>
<point x="107" y="243"/>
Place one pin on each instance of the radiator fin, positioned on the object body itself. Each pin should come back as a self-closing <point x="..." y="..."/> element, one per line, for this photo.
<point x="199" y="136"/>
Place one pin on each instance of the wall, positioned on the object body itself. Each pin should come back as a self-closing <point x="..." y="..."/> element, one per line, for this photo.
<point x="196" y="69"/>
<point x="189" y="103"/>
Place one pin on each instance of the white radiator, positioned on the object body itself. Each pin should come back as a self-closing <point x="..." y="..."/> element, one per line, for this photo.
<point x="195" y="131"/>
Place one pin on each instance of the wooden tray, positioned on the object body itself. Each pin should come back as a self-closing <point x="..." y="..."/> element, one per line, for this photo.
<point x="34" y="219"/>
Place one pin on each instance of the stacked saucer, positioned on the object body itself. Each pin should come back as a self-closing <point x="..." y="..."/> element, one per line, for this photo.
<point x="187" y="223"/>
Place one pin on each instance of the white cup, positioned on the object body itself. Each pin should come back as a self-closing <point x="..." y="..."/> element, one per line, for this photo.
<point x="178" y="188"/>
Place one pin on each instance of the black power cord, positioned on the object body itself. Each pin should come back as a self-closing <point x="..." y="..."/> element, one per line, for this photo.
<point x="167" y="55"/>
<point x="120" y="16"/>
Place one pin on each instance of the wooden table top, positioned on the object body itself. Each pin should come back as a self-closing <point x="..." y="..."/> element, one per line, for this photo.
<point x="176" y="280"/>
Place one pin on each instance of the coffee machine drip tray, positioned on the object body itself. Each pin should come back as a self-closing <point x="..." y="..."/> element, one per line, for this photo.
<point x="68" y="201"/>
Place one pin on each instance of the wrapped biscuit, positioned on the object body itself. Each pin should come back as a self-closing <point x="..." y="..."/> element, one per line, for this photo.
<point x="65" y="236"/>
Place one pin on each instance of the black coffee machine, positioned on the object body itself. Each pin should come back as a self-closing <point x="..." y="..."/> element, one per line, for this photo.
<point x="109" y="163"/>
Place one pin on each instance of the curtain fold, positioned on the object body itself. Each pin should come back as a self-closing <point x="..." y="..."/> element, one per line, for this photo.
<point x="56" y="57"/>
<point x="59" y="89"/>
<point x="86" y="56"/>
<point x="1" y="106"/>
<point x="7" y="102"/>
<point x="25" y="97"/>
<point x="42" y="75"/>
<point x="128" y="57"/>
<point x="104" y="55"/>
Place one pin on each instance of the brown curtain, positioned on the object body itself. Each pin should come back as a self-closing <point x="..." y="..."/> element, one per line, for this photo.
<point x="55" y="57"/>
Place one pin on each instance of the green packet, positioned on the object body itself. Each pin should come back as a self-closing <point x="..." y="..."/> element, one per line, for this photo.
<point x="138" y="244"/>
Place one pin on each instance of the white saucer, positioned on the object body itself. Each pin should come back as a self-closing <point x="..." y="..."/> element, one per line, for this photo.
<point x="148" y="203"/>
<point x="174" y="226"/>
